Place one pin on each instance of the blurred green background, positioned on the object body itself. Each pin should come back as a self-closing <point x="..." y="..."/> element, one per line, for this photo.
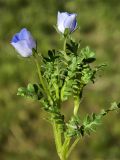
<point x="24" y="134"/>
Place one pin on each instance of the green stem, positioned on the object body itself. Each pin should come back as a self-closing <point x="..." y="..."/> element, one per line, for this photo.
<point x="76" y="105"/>
<point x="65" y="147"/>
<point x="72" y="147"/>
<point x="64" y="45"/>
<point x="41" y="79"/>
<point x="62" y="149"/>
<point x="57" y="136"/>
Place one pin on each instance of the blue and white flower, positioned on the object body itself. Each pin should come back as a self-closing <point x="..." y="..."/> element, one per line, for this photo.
<point x="66" y="20"/>
<point x="24" y="43"/>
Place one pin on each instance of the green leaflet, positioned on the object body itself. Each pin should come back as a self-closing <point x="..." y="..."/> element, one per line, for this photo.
<point x="31" y="91"/>
<point x="75" y="127"/>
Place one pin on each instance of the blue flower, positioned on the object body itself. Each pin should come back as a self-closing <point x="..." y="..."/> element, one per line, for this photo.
<point x="23" y="42"/>
<point x="66" y="20"/>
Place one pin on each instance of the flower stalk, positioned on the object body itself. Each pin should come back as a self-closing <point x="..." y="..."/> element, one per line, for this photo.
<point x="41" y="79"/>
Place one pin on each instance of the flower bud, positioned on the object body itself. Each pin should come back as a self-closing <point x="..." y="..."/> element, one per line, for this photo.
<point x="24" y="43"/>
<point x="66" y="20"/>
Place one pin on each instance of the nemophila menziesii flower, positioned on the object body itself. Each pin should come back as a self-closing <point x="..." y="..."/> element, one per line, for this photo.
<point x="66" y="20"/>
<point x="24" y="43"/>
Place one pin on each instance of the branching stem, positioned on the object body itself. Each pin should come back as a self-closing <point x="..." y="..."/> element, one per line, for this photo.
<point x="72" y="147"/>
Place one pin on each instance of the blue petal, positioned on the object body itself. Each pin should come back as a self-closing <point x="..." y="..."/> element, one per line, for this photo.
<point x="60" y="20"/>
<point x="31" y="42"/>
<point x="22" y="48"/>
<point x="15" y="38"/>
<point x="70" y="22"/>
<point x="74" y="25"/>
<point x="24" y="34"/>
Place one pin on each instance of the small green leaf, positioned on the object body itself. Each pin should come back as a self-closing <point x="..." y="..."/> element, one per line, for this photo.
<point x="30" y="87"/>
<point x="87" y="53"/>
<point x="21" y="91"/>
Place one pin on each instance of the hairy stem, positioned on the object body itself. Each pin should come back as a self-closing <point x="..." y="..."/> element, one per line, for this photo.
<point x="41" y="80"/>
<point x="76" y="105"/>
<point x="64" y="47"/>
<point x="65" y="147"/>
<point x="64" y="44"/>
<point x="57" y="136"/>
<point x="72" y="147"/>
